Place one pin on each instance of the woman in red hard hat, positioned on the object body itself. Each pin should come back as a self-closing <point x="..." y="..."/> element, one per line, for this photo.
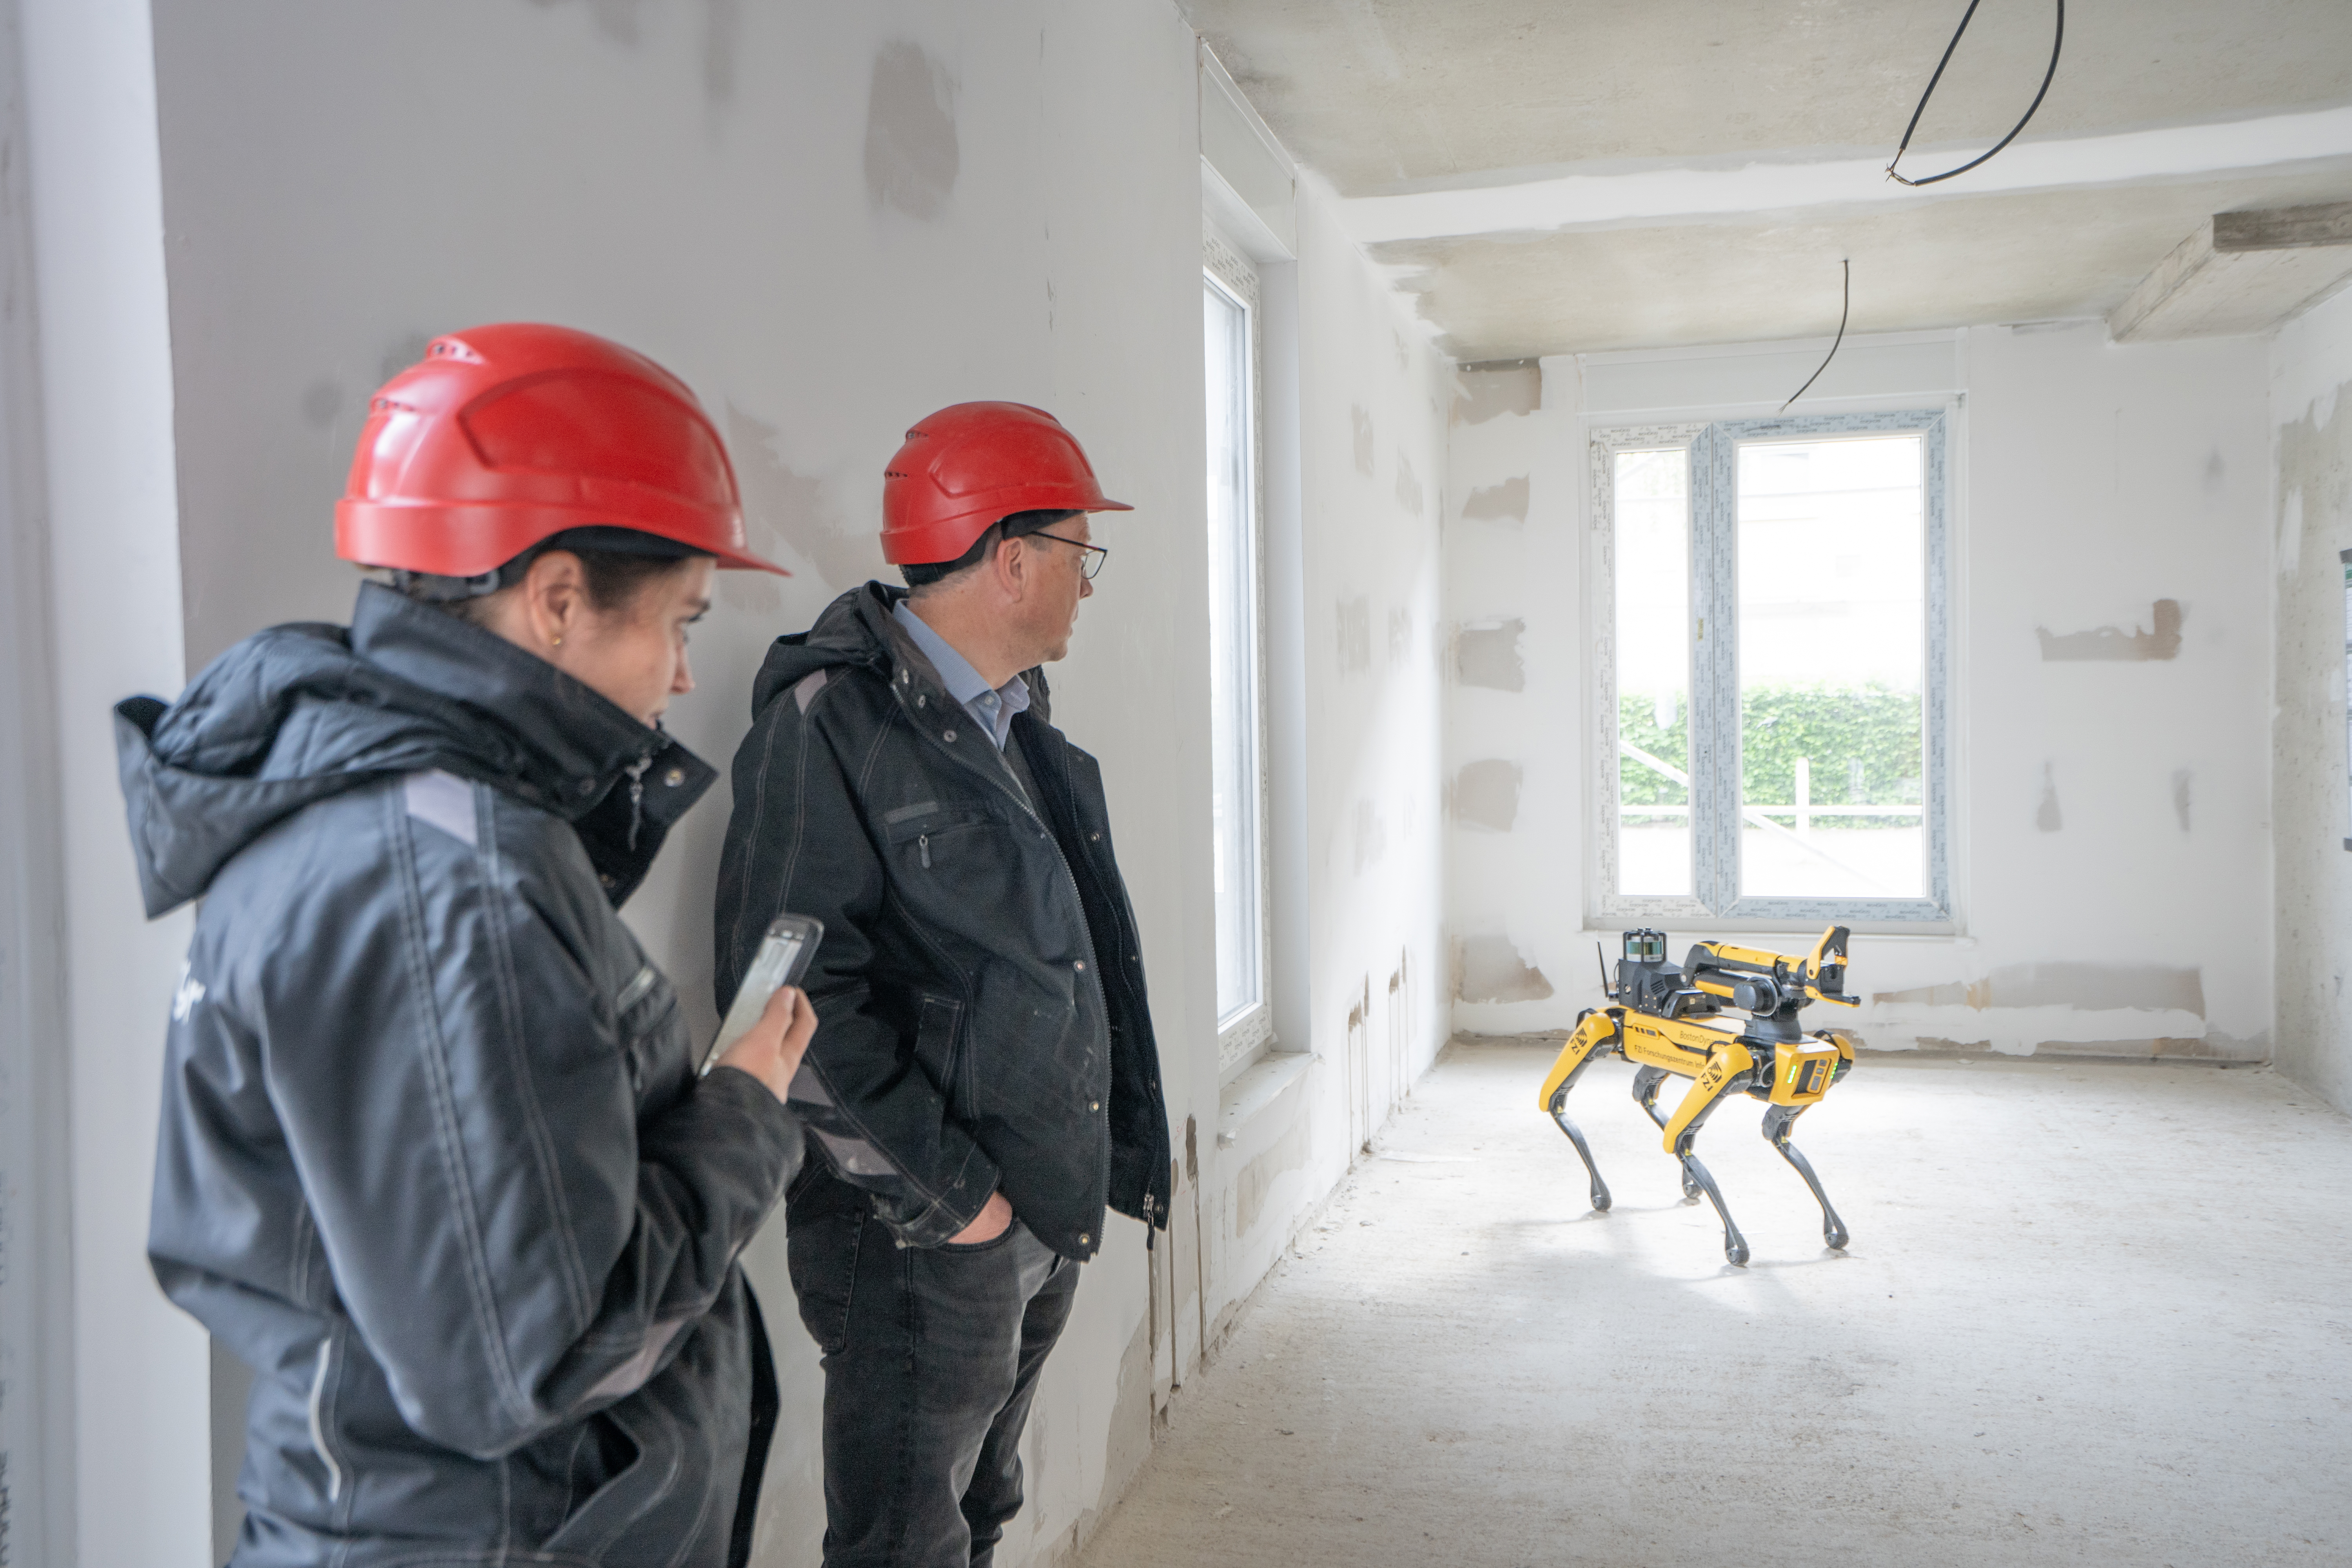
<point x="986" y="1084"/>
<point x="435" y="1160"/>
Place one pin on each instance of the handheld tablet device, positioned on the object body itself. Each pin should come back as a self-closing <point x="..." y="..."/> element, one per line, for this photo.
<point x="783" y="957"/>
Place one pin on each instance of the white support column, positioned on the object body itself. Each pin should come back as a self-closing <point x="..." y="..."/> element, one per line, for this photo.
<point x="36" y="1284"/>
<point x="139" y="1376"/>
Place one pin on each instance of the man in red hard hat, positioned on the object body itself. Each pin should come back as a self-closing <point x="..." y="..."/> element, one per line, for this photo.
<point x="983" y="1084"/>
<point x="435" y="1160"/>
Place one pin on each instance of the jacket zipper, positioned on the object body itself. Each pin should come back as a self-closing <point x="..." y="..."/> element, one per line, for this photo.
<point x="318" y="1418"/>
<point x="638" y="797"/>
<point x="923" y="846"/>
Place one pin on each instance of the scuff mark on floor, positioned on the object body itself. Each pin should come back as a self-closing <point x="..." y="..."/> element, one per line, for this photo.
<point x="1363" y="421"/>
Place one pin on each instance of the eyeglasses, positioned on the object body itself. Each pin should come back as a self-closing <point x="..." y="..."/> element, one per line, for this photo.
<point x="1090" y="565"/>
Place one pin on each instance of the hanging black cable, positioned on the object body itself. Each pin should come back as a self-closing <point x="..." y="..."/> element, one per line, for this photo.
<point x="2057" y="43"/>
<point x="1843" y="310"/>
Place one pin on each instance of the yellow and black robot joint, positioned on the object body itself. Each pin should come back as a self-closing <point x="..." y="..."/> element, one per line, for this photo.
<point x="1670" y="1021"/>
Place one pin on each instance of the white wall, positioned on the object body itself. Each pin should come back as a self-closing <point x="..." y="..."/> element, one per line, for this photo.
<point x="1371" y="474"/>
<point x="2311" y="369"/>
<point x="830" y="220"/>
<point x="138" y="1368"/>
<point x="2090" y="481"/>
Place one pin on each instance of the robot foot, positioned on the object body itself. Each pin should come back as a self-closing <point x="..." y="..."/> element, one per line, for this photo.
<point x="1584" y="1151"/>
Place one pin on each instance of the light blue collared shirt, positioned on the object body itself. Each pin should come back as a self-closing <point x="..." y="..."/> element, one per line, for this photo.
<point x="992" y="707"/>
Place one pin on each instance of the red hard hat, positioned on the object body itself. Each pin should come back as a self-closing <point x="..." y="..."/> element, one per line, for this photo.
<point x="972" y="464"/>
<point x="505" y="435"/>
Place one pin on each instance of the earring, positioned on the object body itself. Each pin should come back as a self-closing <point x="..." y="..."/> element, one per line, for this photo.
<point x="558" y="641"/>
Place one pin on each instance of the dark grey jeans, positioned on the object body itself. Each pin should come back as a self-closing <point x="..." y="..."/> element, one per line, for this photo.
<point x="932" y="1357"/>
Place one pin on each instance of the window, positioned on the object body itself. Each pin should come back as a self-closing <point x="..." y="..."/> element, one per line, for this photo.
<point x="1770" y="729"/>
<point x="1237" y="752"/>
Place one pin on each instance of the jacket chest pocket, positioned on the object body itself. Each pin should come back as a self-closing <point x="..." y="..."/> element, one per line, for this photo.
<point x="652" y="1030"/>
<point x="964" y="847"/>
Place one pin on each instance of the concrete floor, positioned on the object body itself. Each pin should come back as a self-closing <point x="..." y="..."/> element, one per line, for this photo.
<point x="2092" y="1313"/>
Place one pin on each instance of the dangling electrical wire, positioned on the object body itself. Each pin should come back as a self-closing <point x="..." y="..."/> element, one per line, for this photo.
<point x="2056" y="43"/>
<point x="1843" y="310"/>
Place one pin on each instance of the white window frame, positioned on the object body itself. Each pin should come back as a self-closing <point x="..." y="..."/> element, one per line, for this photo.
<point x="1248" y="1032"/>
<point x="1715" y="771"/>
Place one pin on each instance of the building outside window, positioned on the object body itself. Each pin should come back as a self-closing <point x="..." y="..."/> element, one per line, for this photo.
<point x="1237" y="678"/>
<point x="1768" y="728"/>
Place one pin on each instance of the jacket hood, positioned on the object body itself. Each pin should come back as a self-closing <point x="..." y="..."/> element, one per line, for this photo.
<point x="300" y="713"/>
<point x="857" y="629"/>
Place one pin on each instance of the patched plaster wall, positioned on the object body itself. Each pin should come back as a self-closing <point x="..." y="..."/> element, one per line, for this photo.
<point x="2110" y="618"/>
<point x="2311" y="409"/>
<point x="1369" y="405"/>
<point x="831" y="222"/>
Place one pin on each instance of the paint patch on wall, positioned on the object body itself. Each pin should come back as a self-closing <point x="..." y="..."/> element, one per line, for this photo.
<point x="722" y="42"/>
<point x="2182" y="780"/>
<point x="1364" y="420"/>
<point x="2112" y="645"/>
<point x="912" y="156"/>
<point x="1489" y="655"/>
<point x="1486" y="794"/>
<point x="1289" y="1152"/>
<point x="1371" y="835"/>
<point x="1355" y="636"/>
<point x="2083" y="987"/>
<point x="321" y="400"/>
<point x="1490" y="969"/>
<point x="1505" y="503"/>
<point x="1490" y="391"/>
<point x="616" y="19"/>
<point x="1400" y="635"/>
<point x="2047" y="816"/>
<point x="1408" y="488"/>
<point x="785" y="510"/>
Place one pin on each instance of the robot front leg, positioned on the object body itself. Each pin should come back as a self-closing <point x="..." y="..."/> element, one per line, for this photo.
<point x="1729" y="1073"/>
<point x="1778" y="1120"/>
<point x="1595" y="1033"/>
<point x="1646" y="1095"/>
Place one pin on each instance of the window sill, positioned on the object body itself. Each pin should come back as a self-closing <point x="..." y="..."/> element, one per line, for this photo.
<point x="1256" y="1089"/>
<point x="1716" y="929"/>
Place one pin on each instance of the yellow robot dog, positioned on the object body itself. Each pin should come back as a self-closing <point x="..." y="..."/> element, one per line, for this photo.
<point x="1666" y="1021"/>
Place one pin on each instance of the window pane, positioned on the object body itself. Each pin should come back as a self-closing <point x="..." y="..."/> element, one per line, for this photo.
<point x="1232" y="657"/>
<point x="1652" y="491"/>
<point x="1833" y="655"/>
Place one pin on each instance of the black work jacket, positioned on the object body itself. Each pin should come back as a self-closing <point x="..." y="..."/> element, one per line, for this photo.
<point x="980" y="981"/>
<point x="433" y="1160"/>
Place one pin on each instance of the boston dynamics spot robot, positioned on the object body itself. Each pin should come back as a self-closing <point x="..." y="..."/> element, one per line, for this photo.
<point x="1670" y="1022"/>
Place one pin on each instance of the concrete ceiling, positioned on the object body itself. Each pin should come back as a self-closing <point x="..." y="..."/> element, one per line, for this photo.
<point x="1386" y="95"/>
<point x="2027" y="257"/>
<point x="1390" y="98"/>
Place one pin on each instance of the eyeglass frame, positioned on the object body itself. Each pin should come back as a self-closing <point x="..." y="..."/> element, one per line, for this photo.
<point x="1090" y="565"/>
